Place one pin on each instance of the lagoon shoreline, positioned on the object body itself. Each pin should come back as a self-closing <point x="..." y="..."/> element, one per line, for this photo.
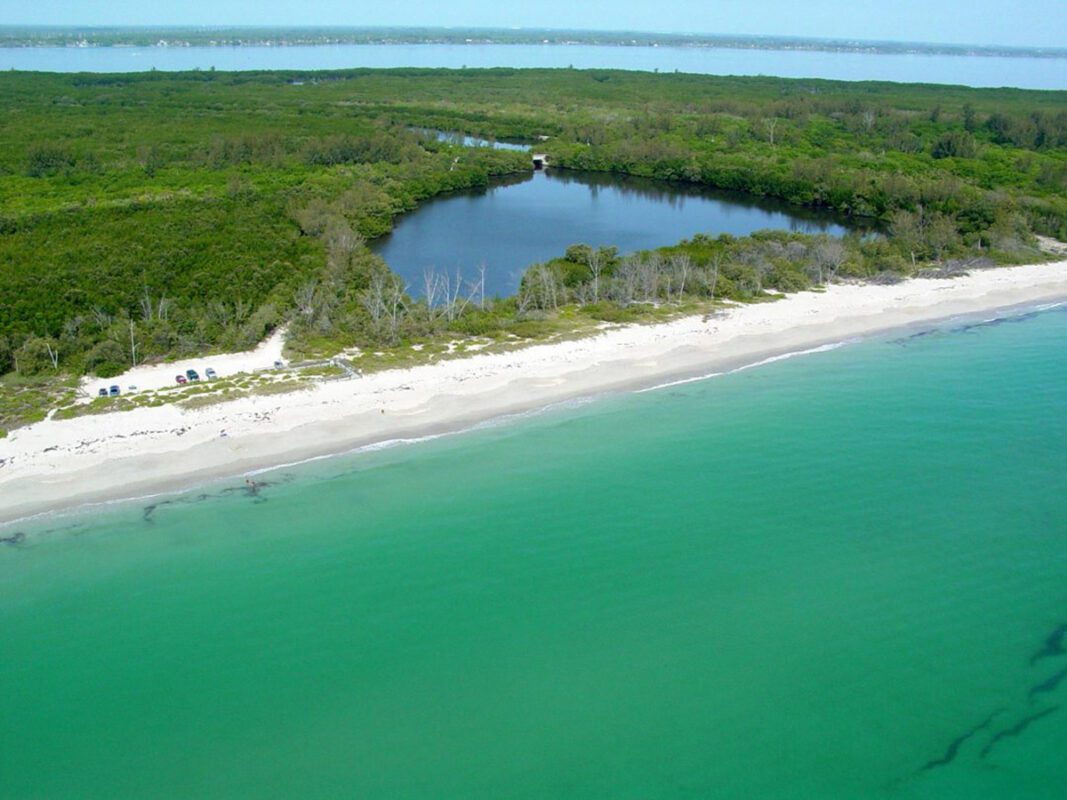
<point x="59" y="466"/>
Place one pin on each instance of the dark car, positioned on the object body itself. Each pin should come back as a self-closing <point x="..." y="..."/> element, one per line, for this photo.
<point x="191" y="375"/>
<point x="114" y="390"/>
<point x="103" y="391"/>
<point x="180" y="380"/>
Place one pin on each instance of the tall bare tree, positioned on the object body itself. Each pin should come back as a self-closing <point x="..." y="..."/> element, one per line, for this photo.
<point x="829" y="256"/>
<point x="682" y="267"/>
<point x="455" y="302"/>
<point x="539" y="289"/>
<point x="102" y="319"/>
<point x="624" y="281"/>
<point x="713" y="274"/>
<point x="479" y="287"/>
<point x="305" y="298"/>
<point x="648" y="271"/>
<point x="770" y="124"/>
<point x="147" y="306"/>
<point x="431" y="287"/>
<point x="384" y="301"/>
<point x="596" y="266"/>
<point x="133" y="346"/>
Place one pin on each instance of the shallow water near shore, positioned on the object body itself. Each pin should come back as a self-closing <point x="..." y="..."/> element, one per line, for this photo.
<point x="840" y="575"/>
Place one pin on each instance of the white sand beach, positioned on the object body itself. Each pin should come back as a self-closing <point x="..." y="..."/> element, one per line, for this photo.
<point x="54" y="465"/>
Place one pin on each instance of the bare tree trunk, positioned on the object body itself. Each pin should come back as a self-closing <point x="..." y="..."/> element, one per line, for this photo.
<point x="305" y="298"/>
<point x="596" y="266"/>
<point x="455" y="308"/>
<point x="682" y="266"/>
<point x="829" y="256"/>
<point x="770" y="125"/>
<point x="133" y="347"/>
<point x="374" y="300"/>
<point x="146" y="306"/>
<point x="396" y="304"/>
<point x="525" y="299"/>
<point x="481" y="285"/>
<point x="648" y="272"/>
<point x="626" y="279"/>
<point x="715" y="262"/>
<point x="548" y="287"/>
<point x="431" y="284"/>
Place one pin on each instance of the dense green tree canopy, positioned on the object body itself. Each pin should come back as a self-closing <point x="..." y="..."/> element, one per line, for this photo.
<point x="204" y="208"/>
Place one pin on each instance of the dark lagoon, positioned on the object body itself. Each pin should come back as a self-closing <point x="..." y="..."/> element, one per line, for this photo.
<point x="525" y="220"/>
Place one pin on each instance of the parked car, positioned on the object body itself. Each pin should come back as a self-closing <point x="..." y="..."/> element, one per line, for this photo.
<point x="210" y="374"/>
<point x="114" y="391"/>
<point x="103" y="391"/>
<point x="181" y="380"/>
<point x="131" y="388"/>
<point x="191" y="375"/>
<point x="279" y="364"/>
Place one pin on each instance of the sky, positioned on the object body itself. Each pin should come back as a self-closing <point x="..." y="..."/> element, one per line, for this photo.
<point x="1039" y="23"/>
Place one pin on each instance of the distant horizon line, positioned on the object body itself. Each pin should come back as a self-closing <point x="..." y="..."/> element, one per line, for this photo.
<point x="72" y="29"/>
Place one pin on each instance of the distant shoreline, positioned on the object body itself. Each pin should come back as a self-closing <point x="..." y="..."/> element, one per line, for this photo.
<point x="991" y="69"/>
<point x="62" y="465"/>
<point x="20" y="36"/>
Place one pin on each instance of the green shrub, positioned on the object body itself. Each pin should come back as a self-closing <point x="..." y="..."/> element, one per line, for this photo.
<point x="48" y="159"/>
<point x="609" y="312"/>
<point x="107" y="359"/>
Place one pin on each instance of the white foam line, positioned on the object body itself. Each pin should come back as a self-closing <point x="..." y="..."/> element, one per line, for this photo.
<point x="680" y="382"/>
<point x="504" y="419"/>
<point x="386" y="444"/>
<point x="823" y="348"/>
<point x="363" y="448"/>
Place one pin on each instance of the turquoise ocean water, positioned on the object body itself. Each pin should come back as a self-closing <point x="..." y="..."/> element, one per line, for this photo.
<point x="837" y="576"/>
